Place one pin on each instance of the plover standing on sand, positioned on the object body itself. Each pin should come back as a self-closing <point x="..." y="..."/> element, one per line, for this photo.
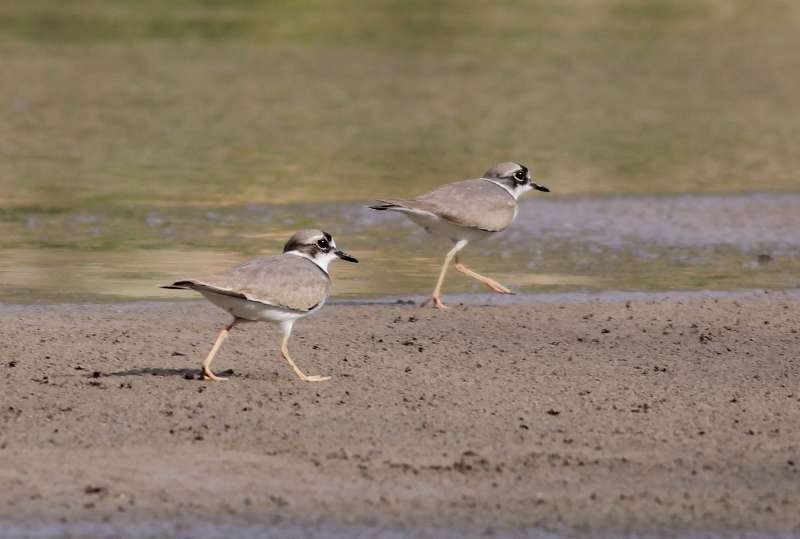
<point x="278" y="289"/>
<point x="466" y="211"/>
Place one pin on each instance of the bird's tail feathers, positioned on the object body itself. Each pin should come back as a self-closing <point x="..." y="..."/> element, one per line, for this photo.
<point x="179" y="285"/>
<point x="384" y="205"/>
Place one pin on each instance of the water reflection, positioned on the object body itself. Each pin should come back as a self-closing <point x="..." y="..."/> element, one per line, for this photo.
<point x="567" y="244"/>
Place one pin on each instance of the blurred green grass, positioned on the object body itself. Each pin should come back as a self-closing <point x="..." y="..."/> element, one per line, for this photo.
<point x="209" y="102"/>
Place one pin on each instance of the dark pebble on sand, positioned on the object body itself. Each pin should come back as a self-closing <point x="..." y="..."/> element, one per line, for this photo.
<point x="12" y="363"/>
<point x="552" y="412"/>
<point x="278" y="500"/>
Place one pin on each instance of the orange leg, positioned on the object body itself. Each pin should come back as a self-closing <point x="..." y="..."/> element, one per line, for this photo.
<point x="207" y="373"/>
<point x="491" y="283"/>
<point x="436" y="297"/>
<point x="287" y="331"/>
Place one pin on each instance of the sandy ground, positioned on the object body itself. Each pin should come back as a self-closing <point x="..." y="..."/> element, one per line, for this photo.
<point x="594" y="417"/>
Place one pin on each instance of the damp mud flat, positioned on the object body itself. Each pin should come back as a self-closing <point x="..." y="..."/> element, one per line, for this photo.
<point x="603" y="416"/>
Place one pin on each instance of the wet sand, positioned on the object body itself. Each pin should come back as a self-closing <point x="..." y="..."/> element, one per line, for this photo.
<point x="587" y="416"/>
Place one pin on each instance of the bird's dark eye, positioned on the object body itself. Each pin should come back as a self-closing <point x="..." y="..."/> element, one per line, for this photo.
<point x="323" y="243"/>
<point x="520" y="175"/>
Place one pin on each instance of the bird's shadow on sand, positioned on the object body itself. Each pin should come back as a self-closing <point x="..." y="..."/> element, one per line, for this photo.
<point x="188" y="374"/>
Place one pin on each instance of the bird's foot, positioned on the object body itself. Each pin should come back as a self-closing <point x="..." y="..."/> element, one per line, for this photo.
<point x="315" y="378"/>
<point x="488" y="281"/>
<point x="436" y="299"/>
<point x="208" y="375"/>
<point x="497" y="287"/>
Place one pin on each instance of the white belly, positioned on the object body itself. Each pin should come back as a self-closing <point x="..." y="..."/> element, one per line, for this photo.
<point x="445" y="229"/>
<point x="253" y="310"/>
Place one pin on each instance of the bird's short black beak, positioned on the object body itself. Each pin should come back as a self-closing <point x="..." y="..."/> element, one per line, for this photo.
<point x="540" y="187"/>
<point x="345" y="256"/>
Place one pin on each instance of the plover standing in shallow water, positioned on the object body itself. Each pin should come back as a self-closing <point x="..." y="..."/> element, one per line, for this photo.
<point x="466" y="211"/>
<point x="278" y="289"/>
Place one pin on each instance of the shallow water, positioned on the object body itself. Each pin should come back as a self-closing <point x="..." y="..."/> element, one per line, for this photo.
<point x="715" y="242"/>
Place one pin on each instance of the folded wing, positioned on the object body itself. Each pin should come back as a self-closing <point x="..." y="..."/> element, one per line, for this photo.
<point x="470" y="203"/>
<point x="287" y="281"/>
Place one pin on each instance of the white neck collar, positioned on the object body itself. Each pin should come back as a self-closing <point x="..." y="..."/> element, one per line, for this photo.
<point x="322" y="262"/>
<point x="515" y="192"/>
